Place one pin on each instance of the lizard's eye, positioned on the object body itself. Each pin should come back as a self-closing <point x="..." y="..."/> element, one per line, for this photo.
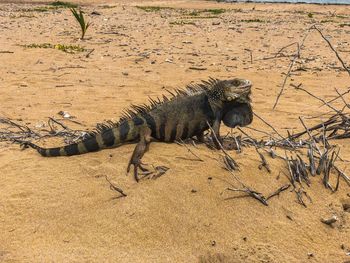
<point x="235" y="82"/>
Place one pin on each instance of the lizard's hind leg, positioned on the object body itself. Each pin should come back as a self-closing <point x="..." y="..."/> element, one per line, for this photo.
<point x="140" y="149"/>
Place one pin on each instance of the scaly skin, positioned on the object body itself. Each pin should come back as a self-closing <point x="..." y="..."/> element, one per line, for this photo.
<point x="183" y="116"/>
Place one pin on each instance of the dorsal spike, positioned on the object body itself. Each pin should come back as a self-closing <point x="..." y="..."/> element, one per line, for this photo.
<point x="140" y="109"/>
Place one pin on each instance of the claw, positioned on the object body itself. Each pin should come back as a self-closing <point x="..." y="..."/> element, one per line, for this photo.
<point x="136" y="172"/>
<point x="143" y="169"/>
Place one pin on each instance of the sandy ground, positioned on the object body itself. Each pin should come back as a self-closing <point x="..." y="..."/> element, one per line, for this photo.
<point x="62" y="209"/>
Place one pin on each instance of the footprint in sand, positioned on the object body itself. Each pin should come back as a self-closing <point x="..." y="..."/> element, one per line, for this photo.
<point x="22" y="195"/>
<point x="91" y="166"/>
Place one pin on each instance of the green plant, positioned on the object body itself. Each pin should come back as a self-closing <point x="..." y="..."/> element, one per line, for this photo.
<point x="42" y="9"/>
<point x="152" y="8"/>
<point x="65" y="48"/>
<point x="341" y="16"/>
<point x="310" y="15"/>
<point x="22" y="15"/>
<point x="215" y="11"/>
<point x="197" y="12"/>
<point x="256" y="20"/>
<point x="326" y="21"/>
<point x="81" y="20"/>
<point x="182" y="22"/>
<point x="59" y="4"/>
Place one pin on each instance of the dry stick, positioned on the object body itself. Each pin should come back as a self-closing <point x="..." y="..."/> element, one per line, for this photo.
<point x="59" y="123"/>
<point x="252" y="193"/>
<point x="291" y="145"/>
<point x="311" y="137"/>
<point x="342" y="97"/>
<point x="246" y="134"/>
<point x="219" y="143"/>
<point x="239" y="148"/>
<point x="254" y="143"/>
<point x="23" y="128"/>
<point x="297" y="55"/>
<point x="338" y="96"/>
<point x="279" y="190"/>
<point x="189" y="150"/>
<point x="269" y="125"/>
<point x="283" y="48"/>
<point x="88" y="54"/>
<point x="275" y="56"/>
<point x="257" y="130"/>
<point x="299" y="194"/>
<point x="320" y="99"/>
<point x="251" y="54"/>
<point x="264" y="163"/>
<point x="342" y="174"/>
<point x="320" y="115"/>
<point x="115" y="188"/>
<point x="245" y="189"/>
<point x="326" y="123"/>
<point x="330" y="45"/>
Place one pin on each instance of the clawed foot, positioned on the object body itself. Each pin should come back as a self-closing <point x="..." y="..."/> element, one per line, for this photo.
<point x="137" y="166"/>
<point x="158" y="171"/>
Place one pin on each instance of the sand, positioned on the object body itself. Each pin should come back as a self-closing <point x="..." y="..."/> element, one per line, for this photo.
<point x="62" y="209"/>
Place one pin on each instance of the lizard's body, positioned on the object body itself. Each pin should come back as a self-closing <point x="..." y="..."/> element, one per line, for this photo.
<point x="185" y="115"/>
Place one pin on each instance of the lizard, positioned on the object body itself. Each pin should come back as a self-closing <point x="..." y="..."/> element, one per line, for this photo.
<point x="185" y="114"/>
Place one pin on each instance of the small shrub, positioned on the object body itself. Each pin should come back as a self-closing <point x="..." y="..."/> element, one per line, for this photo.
<point x="152" y="8"/>
<point x="182" y="22"/>
<point x="60" y="4"/>
<point x="65" y="48"/>
<point x="81" y="20"/>
<point x="257" y="20"/>
<point x="215" y="11"/>
<point x="207" y="11"/>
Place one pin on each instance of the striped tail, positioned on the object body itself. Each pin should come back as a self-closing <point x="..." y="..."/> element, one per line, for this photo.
<point x="109" y="138"/>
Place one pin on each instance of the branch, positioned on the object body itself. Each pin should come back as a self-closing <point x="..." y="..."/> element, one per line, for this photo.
<point x="330" y="45"/>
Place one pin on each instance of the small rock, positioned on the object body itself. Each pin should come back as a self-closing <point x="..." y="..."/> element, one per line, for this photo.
<point x="193" y="191"/>
<point x="310" y="255"/>
<point x="64" y="114"/>
<point x="95" y="13"/>
<point x="213" y="243"/>
<point x="329" y="221"/>
<point x="125" y="73"/>
<point x="346" y="205"/>
<point x="216" y="23"/>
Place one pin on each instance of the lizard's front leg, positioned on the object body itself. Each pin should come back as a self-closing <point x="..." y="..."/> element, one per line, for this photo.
<point x="216" y="131"/>
<point x="140" y="149"/>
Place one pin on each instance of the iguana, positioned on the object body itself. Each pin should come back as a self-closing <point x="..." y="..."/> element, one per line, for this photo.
<point x="185" y="114"/>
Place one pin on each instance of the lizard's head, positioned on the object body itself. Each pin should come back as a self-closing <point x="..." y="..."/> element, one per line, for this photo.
<point x="236" y="90"/>
<point x="230" y="90"/>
